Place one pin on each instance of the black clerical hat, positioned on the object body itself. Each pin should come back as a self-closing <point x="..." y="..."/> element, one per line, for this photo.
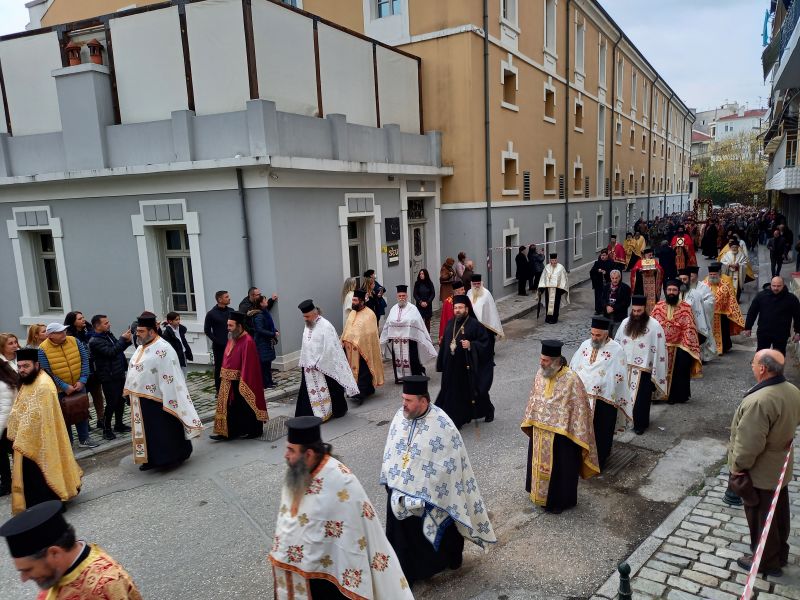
<point x="304" y="430"/>
<point x="601" y="323"/>
<point x="648" y="250"/>
<point x="35" y="529"/>
<point x="415" y="385"/>
<point x="714" y="267"/>
<point x="693" y="269"/>
<point x="476" y="277"/>
<point x="733" y="242"/>
<point x="147" y="319"/>
<point x="306" y="306"/>
<point x="685" y="271"/>
<point x="360" y="294"/>
<point x="553" y="255"/>
<point x="638" y="300"/>
<point x="28" y="354"/>
<point x="552" y="348"/>
<point x="237" y="316"/>
<point x="461" y="299"/>
<point x="402" y="289"/>
<point x="675" y="282"/>
<point x="458" y="284"/>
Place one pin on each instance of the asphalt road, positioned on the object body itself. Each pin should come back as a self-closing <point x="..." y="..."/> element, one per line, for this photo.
<point x="203" y="531"/>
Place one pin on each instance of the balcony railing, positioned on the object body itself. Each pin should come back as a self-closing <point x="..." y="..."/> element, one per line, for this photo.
<point x="788" y="25"/>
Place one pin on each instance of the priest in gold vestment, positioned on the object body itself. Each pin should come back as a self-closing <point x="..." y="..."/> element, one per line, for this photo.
<point x="728" y="318"/>
<point x="558" y="421"/>
<point x="45" y="550"/>
<point x="362" y="347"/>
<point x="44" y="465"/>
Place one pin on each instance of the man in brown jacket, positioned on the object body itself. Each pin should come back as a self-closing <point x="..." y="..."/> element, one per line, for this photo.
<point x="763" y="427"/>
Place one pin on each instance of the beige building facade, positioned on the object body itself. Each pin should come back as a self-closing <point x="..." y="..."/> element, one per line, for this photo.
<point x="584" y="138"/>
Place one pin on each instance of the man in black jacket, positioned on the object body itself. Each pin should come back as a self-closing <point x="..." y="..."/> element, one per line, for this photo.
<point x="110" y="368"/>
<point x="600" y="275"/>
<point x="775" y="308"/>
<point x="175" y="333"/>
<point x="777" y="249"/>
<point x="616" y="300"/>
<point x="216" y="329"/>
<point x="522" y="274"/>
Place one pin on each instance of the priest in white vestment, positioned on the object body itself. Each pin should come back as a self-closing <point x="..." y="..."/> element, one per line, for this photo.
<point x="700" y="297"/>
<point x="407" y="338"/>
<point x="327" y="376"/>
<point x="433" y="502"/>
<point x="601" y="364"/>
<point x="329" y="542"/>
<point x="642" y="338"/>
<point x="555" y="285"/>
<point x="163" y="416"/>
<point x="734" y="266"/>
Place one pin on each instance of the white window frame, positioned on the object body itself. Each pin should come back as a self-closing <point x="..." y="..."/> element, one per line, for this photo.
<point x="579" y="102"/>
<point x="510" y="240"/>
<point x="580" y="44"/>
<point x="644" y="98"/>
<point x="372" y="235"/>
<point x="620" y="77"/>
<point x="507" y="66"/>
<point x="618" y="132"/>
<point x="634" y="91"/>
<point x="577" y="236"/>
<point x="632" y="131"/>
<point x="550" y="161"/>
<point x="549" y="87"/>
<point x="550" y="42"/>
<point x="41" y="272"/>
<point x="511" y="18"/>
<point x="390" y="5"/>
<point x="601" y="177"/>
<point x="601" y="125"/>
<point x="509" y="155"/>
<point x="183" y="254"/>
<point x="154" y="216"/>
<point x="37" y="219"/>
<point x="599" y="230"/>
<point x="548" y="230"/>
<point x="602" y="64"/>
<point x="616" y="221"/>
<point x="577" y="191"/>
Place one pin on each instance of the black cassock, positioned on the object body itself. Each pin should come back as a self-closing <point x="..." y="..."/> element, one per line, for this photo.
<point x="680" y="385"/>
<point x="416" y="554"/>
<point x="164" y="435"/>
<point x="34" y="484"/>
<point x="462" y="386"/>
<point x="552" y="319"/>
<point x="562" y="492"/>
<point x="336" y="391"/>
<point x="413" y="360"/>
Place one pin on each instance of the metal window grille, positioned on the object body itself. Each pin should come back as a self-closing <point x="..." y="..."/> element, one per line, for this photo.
<point x="526" y="185"/>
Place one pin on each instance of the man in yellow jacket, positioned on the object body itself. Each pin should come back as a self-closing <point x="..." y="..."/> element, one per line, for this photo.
<point x="761" y="435"/>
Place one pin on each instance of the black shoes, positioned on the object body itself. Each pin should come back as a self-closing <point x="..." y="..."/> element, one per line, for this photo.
<point x="108" y="434"/>
<point x="638" y="431"/>
<point x="746" y="562"/>
<point x="121" y="428"/>
<point x="218" y="438"/>
<point x="357" y="400"/>
<point x="145" y="467"/>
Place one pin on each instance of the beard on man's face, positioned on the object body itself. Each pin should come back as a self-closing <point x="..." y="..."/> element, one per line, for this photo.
<point x="30" y="377"/>
<point x="298" y="476"/>
<point x="637" y="324"/>
<point x="672" y="299"/>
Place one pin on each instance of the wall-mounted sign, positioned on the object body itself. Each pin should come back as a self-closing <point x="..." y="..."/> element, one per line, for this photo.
<point x="392" y="229"/>
<point x="393" y="254"/>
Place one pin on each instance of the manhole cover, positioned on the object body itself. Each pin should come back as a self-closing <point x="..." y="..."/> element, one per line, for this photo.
<point x="274" y="429"/>
<point x="620" y="457"/>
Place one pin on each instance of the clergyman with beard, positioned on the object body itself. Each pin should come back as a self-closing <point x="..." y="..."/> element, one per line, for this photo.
<point x="362" y="347"/>
<point x="326" y="374"/>
<point x="642" y="339"/>
<point x="683" y="346"/>
<point x="329" y="542"/>
<point x="36" y="429"/>
<point x="241" y="407"/>
<point x="465" y="362"/>
<point x="163" y="416"/>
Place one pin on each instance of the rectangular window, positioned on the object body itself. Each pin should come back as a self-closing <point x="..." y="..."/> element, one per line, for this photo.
<point x="601" y="177"/>
<point x="634" y="90"/>
<point x="179" y="282"/>
<point x="617" y="180"/>
<point x="577" y="234"/>
<point x="632" y="139"/>
<point x="48" y="272"/>
<point x="578" y="181"/>
<point x="601" y="71"/>
<point x="620" y="77"/>
<point x="508" y="11"/>
<point x="387" y="8"/>
<point x="580" y="45"/>
<point x="644" y="143"/>
<point x="601" y="125"/>
<point x="644" y="98"/>
<point x="579" y="116"/>
<point x="511" y="243"/>
<point x="509" y="87"/>
<point x="356" y="243"/>
<point x="655" y="109"/>
<point x="550" y="105"/>
<point x="630" y="183"/>
<point x="550" y="26"/>
<point x="550" y="178"/>
<point x="619" y="133"/>
<point x="599" y="238"/>
<point x="509" y="175"/>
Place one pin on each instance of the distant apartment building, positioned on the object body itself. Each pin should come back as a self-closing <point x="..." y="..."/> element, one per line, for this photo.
<point x="781" y="62"/>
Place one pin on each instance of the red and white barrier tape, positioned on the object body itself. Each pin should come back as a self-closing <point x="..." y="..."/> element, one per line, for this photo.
<point x="593" y="233"/>
<point x="751" y="577"/>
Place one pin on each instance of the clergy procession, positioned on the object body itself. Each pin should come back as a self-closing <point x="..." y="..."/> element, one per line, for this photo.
<point x="644" y="343"/>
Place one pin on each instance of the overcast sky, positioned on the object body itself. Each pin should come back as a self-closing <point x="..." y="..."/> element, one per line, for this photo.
<point x="708" y="51"/>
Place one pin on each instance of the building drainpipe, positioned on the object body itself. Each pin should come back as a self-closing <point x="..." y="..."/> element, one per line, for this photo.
<point x="487" y="144"/>
<point x="650" y="145"/>
<point x="566" y="156"/>
<point x="613" y="131"/>
<point x="683" y="149"/>
<point x="248" y="254"/>
<point x="666" y="154"/>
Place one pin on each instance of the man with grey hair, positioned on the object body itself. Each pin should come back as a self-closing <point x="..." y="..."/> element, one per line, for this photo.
<point x="762" y="431"/>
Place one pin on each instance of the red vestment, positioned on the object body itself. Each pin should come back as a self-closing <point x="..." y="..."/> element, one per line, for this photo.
<point x="680" y="331"/>
<point x="685" y="255"/>
<point x="445" y="316"/>
<point x="617" y="253"/>
<point x="240" y="363"/>
<point x="652" y="280"/>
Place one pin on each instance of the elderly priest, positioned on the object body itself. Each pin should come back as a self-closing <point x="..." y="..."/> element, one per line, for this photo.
<point x="407" y="337"/>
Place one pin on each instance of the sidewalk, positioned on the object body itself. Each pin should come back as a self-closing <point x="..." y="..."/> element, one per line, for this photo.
<point x="287" y="383"/>
<point x="693" y="553"/>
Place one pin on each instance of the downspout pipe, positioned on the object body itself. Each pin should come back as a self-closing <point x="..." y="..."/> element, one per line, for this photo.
<point x="613" y="136"/>
<point x="683" y="149"/>
<point x="650" y="146"/>
<point x="487" y="167"/>
<point x="566" y="155"/>
<point x="666" y="154"/>
<point x="248" y="250"/>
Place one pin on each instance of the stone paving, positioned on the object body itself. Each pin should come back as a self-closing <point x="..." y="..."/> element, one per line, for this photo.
<point x="693" y="554"/>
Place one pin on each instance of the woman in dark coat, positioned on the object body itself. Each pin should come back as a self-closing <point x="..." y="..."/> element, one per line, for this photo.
<point x="424" y="293"/>
<point x="265" y="336"/>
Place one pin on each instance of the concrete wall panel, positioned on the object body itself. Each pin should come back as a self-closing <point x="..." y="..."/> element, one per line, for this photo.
<point x="222" y="135"/>
<point x="398" y="90"/>
<point x="140" y="144"/>
<point x="30" y="88"/>
<point x="34" y="154"/>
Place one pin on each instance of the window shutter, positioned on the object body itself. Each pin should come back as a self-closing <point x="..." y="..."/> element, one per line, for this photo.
<point x="586" y="186"/>
<point x="526" y="185"/>
<point x="561" y="187"/>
